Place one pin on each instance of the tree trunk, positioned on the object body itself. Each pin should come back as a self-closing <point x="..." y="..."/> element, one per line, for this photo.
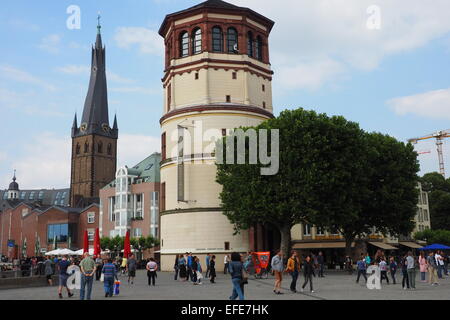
<point x="348" y="245"/>
<point x="285" y="232"/>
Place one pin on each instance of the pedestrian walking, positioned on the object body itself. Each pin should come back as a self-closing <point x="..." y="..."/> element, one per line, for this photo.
<point x="109" y="275"/>
<point x="277" y="267"/>
<point x="176" y="268"/>
<point x="293" y="268"/>
<point x="189" y="267"/>
<point x="62" y="266"/>
<point x="235" y="267"/>
<point x="198" y="271"/>
<point x="368" y="260"/>
<point x="411" y="266"/>
<point x="226" y="261"/>
<point x="123" y="265"/>
<point x="99" y="265"/>
<point x="182" y="267"/>
<point x="362" y="268"/>
<point x="308" y="268"/>
<point x="405" y="280"/>
<point x="383" y="270"/>
<point x="423" y="266"/>
<point x="393" y="269"/>
<point x="87" y="266"/>
<point x="439" y="263"/>
<point x="151" y="267"/>
<point x="131" y="268"/>
<point x="432" y="270"/>
<point x="194" y="267"/>
<point x="48" y="270"/>
<point x="212" y="269"/>
<point x="321" y="262"/>
<point x="207" y="261"/>
<point x="445" y="256"/>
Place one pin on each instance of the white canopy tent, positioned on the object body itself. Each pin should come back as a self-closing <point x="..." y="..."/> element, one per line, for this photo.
<point x="60" y="252"/>
<point x="91" y="252"/>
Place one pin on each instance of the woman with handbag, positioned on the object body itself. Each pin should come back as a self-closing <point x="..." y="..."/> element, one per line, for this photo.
<point x="293" y="268"/>
<point x="236" y="270"/>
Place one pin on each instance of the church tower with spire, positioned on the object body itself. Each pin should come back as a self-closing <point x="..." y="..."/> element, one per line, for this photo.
<point x="94" y="142"/>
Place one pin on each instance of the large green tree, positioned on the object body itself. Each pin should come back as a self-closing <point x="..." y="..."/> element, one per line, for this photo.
<point x="332" y="174"/>
<point x="317" y="171"/>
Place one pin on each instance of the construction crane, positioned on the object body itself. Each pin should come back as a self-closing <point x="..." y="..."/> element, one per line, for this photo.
<point x="439" y="136"/>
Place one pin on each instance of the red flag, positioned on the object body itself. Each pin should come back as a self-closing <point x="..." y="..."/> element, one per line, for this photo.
<point x="86" y="242"/>
<point x="97" y="249"/>
<point x="126" y="245"/>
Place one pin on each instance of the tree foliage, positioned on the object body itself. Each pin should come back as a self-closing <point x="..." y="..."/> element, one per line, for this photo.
<point x="434" y="236"/>
<point x="332" y="174"/>
<point x="439" y="199"/>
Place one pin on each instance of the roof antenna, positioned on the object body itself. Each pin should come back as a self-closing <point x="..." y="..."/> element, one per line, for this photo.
<point x="98" y="22"/>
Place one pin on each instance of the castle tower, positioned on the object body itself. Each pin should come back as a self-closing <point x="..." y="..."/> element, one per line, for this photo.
<point x="217" y="78"/>
<point x="13" y="189"/>
<point x="94" y="143"/>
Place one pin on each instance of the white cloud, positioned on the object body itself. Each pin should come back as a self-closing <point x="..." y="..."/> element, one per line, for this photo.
<point x="333" y="34"/>
<point x="50" y="44"/>
<point x="433" y="104"/>
<point x="11" y="73"/>
<point x="85" y="70"/>
<point x="148" y="41"/>
<point x="134" y="148"/>
<point x="45" y="161"/>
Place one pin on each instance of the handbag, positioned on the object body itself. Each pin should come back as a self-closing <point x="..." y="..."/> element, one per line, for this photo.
<point x="244" y="277"/>
<point x="102" y="277"/>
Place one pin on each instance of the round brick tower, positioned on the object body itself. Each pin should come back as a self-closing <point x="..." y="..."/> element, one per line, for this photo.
<point x="217" y="78"/>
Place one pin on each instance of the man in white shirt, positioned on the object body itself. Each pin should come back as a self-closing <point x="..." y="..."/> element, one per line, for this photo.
<point x="226" y="261"/>
<point x="439" y="263"/>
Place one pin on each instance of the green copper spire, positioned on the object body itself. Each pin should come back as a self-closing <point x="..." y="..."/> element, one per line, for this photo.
<point x="98" y="23"/>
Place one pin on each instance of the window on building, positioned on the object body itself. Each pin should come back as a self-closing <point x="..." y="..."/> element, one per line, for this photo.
<point x="41" y="195"/>
<point x="100" y="147"/>
<point x="58" y="195"/>
<point x="137" y="232"/>
<point x="184" y="44"/>
<point x="111" y="208"/>
<point x="263" y="88"/>
<point x="228" y="99"/>
<point x="163" y="197"/>
<point x="425" y="214"/>
<point x="77" y="149"/>
<point x="264" y="104"/>
<point x="91" y="217"/>
<point x="196" y="76"/>
<point x="232" y="40"/>
<point x="227" y="246"/>
<point x="197" y="41"/>
<point x="307" y="230"/>
<point x="61" y="232"/>
<point x="109" y="149"/>
<point x="259" y="45"/>
<point x="250" y="50"/>
<point x="169" y="96"/>
<point x="23" y="195"/>
<point x="224" y="132"/>
<point x="217" y="39"/>
<point x="86" y="147"/>
<point x="320" y="231"/>
<point x="424" y="198"/>
<point x="31" y="196"/>
<point x="163" y="146"/>
<point x="5" y="195"/>
<point x="91" y="235"/>
<point x="234" y="75"/>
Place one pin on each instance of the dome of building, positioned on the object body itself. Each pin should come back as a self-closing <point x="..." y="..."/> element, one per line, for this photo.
<point x="13" y="186"/>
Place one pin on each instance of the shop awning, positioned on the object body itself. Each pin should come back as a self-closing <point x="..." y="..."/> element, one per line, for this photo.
<point x="412" y="245"/>
<point x="320" y="245"/>
<point x="383" y="245"/>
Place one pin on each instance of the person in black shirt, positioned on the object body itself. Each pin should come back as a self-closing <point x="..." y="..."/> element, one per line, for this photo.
<point x="212" y="269"/>
<point x="308" y="269"/>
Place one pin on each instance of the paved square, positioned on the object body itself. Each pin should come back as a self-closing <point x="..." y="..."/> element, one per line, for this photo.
<point x="335" y="286"/>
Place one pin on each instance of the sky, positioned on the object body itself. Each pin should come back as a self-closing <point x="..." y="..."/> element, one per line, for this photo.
<point x="384" y="64"/>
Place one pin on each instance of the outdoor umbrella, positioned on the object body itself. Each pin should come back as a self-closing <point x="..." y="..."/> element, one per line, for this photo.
<point x="126" y="245"/>
<point x="86" y="242"/>
<point x="435" y="246"/>
<point x="97" y="249"/>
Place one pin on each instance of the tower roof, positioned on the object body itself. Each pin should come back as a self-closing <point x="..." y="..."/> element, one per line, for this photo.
<point x="14" y="186"/>
<point x="95" y="118"/>
<point x="214" y="5"/>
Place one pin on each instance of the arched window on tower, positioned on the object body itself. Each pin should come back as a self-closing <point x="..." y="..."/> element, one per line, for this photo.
<point x="86" y="147"/>
<point x="232" y="40"/>
<point x="259" y="45"/>
<point x="217" y="39"/>
<point x="100" y="147"/>
<point x="77" y="149"/>
<point x="109" y="149"/>
<point x="184" y="44"/>
<point x="250" y="44"/>
<point x="197" y="41"/>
